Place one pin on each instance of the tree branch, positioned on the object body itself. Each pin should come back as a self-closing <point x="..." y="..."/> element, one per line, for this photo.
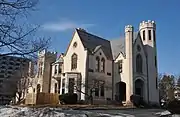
<point x="14" y="38"/>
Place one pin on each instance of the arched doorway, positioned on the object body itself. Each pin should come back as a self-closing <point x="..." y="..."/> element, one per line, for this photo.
<point x="139" y="87"/>
<point x="121" y="91"/>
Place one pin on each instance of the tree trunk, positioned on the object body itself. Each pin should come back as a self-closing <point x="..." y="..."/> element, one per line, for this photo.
<point x="19" y="97"/>
<point x="91" y="100"/>
<point x="91" y="97"/>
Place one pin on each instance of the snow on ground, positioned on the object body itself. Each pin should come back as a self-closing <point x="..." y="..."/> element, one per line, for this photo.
<point x="163" y="113"/>
<point x="166" y="114"/>
<point x="12" y="111"/>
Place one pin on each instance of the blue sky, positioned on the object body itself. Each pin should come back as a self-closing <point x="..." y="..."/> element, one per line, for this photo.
<point x="107" y="18"/>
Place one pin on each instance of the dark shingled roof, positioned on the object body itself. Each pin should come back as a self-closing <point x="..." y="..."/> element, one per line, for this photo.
<point x="110" y="48"/>
<point x="118" y="45"/>
<point x="92" y="43"/>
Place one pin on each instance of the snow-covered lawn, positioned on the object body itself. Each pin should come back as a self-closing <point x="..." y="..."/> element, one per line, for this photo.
<point x="166" y="114"/>
<point x="13" y="111"/>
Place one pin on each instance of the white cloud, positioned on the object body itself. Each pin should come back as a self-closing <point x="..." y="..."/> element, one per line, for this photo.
<point x="65" y="25"/>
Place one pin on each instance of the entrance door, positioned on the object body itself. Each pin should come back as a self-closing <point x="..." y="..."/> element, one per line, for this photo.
<point x="120" y="91"/>
<point x="139" y="85"/>
<point x="71" y="85"/>
<point x="138" y="91"/>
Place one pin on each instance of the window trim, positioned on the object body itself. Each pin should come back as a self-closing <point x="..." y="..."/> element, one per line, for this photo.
<point x="102" y="94"/>
<point x="149" y="35"/>
<point x="63" y="82"/>
<point x="139" y="63"/>
<point x="74" y="59"/>
<point x="96" y="87"/>
<point x="138" y="48"/>
<point x="154" y="35"/>
<point x="103" y="65"/>
<point x="96" y="92"/>
<point x="120" y="66"/>
<point x="60" y="68"/>
<point x="144" y="35"/>
<point x="155" y="62"/>
<point x="97" y="69"/>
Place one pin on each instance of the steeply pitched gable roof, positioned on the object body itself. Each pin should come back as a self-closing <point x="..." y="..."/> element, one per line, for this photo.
<point x="118" y="45"/>
<point x="91" y="42"/>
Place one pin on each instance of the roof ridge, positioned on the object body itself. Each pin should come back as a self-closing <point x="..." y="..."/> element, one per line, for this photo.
<point x="93" y="35"/>
<point x="91" y="41"/>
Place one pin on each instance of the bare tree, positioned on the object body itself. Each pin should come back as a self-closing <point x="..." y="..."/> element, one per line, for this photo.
<point x="17" y="38"/>
<point x="95" y="87"/>
<point x="22" y="87"/>
<point x="166" y="87"/>
<point x="25" y="80"/>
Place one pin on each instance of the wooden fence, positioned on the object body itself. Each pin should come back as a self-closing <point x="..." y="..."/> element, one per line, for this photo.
<point x="42" y="98"/>
<point x="30" y="98"/>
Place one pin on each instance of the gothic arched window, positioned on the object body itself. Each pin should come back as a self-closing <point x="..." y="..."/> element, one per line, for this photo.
<point x="139" y="63"/>
<point x="74" y="61"/>
<point x="97" y="64"/>
<point x="102" y="65"/>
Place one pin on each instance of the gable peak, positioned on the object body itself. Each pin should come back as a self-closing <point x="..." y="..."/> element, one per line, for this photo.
<point x="81" y="29"/>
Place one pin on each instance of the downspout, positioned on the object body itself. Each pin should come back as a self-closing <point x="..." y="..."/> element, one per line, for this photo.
<point x="50" y="77"/>
<point x="147" y="78"/>
<point x="87" y="73"/>
<point x="112" y="79"/>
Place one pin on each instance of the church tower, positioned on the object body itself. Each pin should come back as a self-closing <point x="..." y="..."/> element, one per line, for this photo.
<point x="147" y="31"/>
<point x="129" y="61"/>
<point x="45" y="60"/>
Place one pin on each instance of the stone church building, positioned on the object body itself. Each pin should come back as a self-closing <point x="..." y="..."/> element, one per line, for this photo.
<point x="112" y="69"/>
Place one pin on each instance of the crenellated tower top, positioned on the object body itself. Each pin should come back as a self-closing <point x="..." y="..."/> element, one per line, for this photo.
<point x="128" y="28"/>
<point x="147" y="24"/>
<point x="45" y="52"/>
